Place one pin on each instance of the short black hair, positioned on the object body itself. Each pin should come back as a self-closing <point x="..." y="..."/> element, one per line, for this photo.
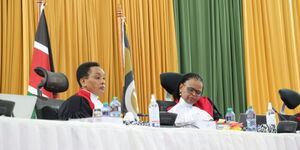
<point x="184" y="78"/>
<point x="83" y="70"/>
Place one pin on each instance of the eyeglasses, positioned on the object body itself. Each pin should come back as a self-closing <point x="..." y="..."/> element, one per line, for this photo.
<point x="194" y="91"/>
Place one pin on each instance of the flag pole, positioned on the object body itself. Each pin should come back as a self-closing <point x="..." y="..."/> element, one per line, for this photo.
<point x="129" y="98"/>
<point x="121" y="18"/>
<point x="41" y="4"/>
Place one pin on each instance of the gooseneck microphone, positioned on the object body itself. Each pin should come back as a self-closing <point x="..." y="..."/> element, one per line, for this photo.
<point x="279" y="114"/>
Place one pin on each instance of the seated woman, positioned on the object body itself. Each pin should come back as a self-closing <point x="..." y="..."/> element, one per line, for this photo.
<point x="91" y="79"/>
<point x="188" y="91"/>
<point x="169" y="82"/>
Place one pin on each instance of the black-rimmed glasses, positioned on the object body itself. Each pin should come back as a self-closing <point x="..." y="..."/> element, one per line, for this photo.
<point x="194" y="91"/>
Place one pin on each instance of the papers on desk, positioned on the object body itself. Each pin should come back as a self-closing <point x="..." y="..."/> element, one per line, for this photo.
<point x="210" y="125"/>
<point x="191" y="116"/>
<point x="115" y="120"/>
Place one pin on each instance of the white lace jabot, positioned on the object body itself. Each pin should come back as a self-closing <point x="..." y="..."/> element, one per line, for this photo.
<point x="188" y="114"/>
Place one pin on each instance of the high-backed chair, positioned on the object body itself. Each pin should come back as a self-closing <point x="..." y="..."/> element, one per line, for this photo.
<point x="47" y="108"/>
<point x="291" y="99"/>
<point x="169" y="82"/>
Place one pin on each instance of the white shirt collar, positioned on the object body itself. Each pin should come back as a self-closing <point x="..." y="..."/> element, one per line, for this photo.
<point x="94" y="99"/>
<point x="183" y="103"/>
<point x="93" y="96"/>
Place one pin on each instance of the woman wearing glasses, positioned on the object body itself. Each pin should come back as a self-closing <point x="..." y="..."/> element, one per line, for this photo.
<point x="189" y="108"/>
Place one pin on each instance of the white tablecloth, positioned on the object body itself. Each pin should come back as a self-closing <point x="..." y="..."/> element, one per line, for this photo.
<point x="27" y="134"/>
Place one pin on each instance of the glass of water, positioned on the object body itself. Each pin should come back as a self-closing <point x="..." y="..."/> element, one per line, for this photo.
<point x="97" y="113"/>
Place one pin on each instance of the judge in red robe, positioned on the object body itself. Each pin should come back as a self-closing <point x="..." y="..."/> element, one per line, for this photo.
<point x="91" y="79"/>
<point x="190" y="88"/>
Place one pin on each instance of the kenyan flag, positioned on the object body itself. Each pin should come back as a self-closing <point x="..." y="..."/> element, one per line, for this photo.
<point x="42" y="57"/>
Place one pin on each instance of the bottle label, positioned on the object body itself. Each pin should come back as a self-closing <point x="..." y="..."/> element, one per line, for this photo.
<point x="271" y="119"/>
<point x="251" y="121"/>
<point x="154" y="115"/>
<point x="230" y="116"/>
<point x="114" y="108"/>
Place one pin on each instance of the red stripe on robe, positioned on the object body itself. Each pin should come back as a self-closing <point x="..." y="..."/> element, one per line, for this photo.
<point x="87" y="96"/>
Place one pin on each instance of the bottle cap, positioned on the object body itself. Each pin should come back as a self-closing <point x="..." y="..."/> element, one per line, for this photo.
<point x="250" y="107"/>
<point x="229" y="109"/>
<point x="115" y="98"/>
<point x="153" y="98"/>
<point x="269" y="106"/>
<point x="105" y="104"/>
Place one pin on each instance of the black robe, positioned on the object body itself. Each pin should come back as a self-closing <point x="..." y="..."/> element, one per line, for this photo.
<point x="75" y="107"/>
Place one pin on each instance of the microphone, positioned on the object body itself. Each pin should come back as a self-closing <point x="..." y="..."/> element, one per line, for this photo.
<point x="279" y="114"/>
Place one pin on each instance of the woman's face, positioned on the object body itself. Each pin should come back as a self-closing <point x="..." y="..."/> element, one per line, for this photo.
<point x="191" y="90"/>
<point x="95" y="82"/>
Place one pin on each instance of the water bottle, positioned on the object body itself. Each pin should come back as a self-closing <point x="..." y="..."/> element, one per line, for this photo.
<point x="271" y="116"/>
<point x="154" y="112"/>
<point x="115" y="106"/>
<point x="230" y="116"/>
<point x="106" y="110"/>
<point x="251" y="119"/>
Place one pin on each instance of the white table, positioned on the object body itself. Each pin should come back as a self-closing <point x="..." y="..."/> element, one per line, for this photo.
<point x="27" y="134"/>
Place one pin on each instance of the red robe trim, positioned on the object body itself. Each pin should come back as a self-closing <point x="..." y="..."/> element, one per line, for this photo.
<point x="87" y="96"/>
<point x="298" y="116"/>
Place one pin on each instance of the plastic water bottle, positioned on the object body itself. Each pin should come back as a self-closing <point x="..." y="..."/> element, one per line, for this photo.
<point x="106" y="110"/>
<point x="230" y="116"/>
<point x="154" y="112"/>
<point x="251" y="119"/>
<point x="271" y="116"/>
<point x="115" y="106"/>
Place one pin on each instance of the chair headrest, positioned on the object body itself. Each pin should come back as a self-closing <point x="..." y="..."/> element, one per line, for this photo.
<point x="54" y="81"/>
<point x="290" y="98"/>
<point x="169" y="81"/>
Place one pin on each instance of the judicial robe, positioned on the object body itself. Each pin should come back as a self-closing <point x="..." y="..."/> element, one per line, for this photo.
<point x="77" y="106"/>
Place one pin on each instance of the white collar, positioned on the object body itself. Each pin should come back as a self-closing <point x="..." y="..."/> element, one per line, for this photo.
<point x="94" y="98"/>
<point x="183" y="103"/>
<point x="188" y="114"/>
